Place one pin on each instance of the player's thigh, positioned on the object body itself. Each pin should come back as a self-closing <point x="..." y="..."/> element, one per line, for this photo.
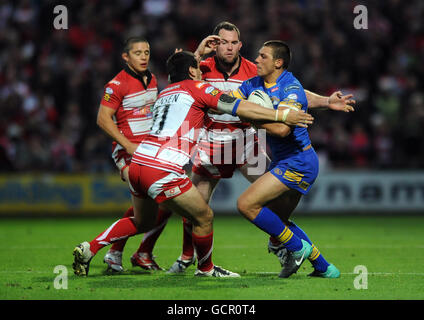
<point x="257" y="160"/>
<point x="253" y="171"/>
<point x="145" y="212"/>
<point x="285" y="204"/>
<point x="192" y="206"/>
<point x="206" y="185"/>
<point x="260" y="193"/>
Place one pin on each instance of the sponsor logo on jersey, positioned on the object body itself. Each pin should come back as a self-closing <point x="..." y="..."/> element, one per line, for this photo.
<point x="106" y="97"/>
<point x="184" y="184"/>
<point x="278" y="171"/>
<point x="304" y="185"/>
<point x="275" y="100"/>
<point x="214" y="92"/>
<point x="274" y="89"/>
<point x="200" y="84"/>
<point x="115" y="82"/>
<point x="292" y="87"/>
<point x="142" y="111"/>
<point x="293" y="176"/>
<point x="209" y="90"/>
<point x="292" y="96"/>
<point x="109" y="90"/>
<point x="172" y="192"/>
<point x="292" y="104"/>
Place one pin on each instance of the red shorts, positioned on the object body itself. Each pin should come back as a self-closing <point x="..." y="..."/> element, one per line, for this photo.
<point x="219" y="159"/>
<point x="157" y="184"/>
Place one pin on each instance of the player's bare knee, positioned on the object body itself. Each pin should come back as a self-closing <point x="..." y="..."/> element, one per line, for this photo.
<point x="207" y="217"/>
<point x="247" y="209"/>
<point x="203" y="218"/>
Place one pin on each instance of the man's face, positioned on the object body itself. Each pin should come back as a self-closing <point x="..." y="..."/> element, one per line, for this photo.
<point x="229" y="47"/>
<point x="265" y="62"/>
<point x="138" y="56"/>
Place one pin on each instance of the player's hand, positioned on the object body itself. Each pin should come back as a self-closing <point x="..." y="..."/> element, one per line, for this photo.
<point x="131" y="148"/>
<point x="298" y="118"/>
<point x="207" y="45"/>
<point x="339" y="102"/>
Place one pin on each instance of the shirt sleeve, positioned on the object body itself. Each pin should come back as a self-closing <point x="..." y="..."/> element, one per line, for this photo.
<point x="112" y="95"/>
<point x="243" y="91"/>
<point x="206" y="95"/>
<point x="294" y="97"/>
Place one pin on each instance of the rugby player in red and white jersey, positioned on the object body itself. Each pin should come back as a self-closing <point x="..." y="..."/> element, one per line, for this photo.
<point x="125" y="115"/>
<point x="226" y="70"/>
<point x="156" y="174"/>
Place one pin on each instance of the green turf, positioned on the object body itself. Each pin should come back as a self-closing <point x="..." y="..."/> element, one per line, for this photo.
<point x="391" y="248"/>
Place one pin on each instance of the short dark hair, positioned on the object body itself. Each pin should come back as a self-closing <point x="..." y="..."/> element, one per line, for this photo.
<point x="227" y="26"/>
<point x="130" y="41"/>
<point x="178" y="65"/>
<point x="280" y="50"/>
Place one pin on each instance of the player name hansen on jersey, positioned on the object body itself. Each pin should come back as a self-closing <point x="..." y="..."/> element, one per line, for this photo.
<point x="174" y="132"/>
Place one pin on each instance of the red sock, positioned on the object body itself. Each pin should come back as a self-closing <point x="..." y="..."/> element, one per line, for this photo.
<point x="119" y="245"/>
<point x="188" y="249"/>
<point x="121" y="229"/>
<point x="150" y="238"/>
<point x="204" y="246"/>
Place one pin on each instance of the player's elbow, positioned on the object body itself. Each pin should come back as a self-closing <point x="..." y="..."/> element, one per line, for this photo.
<point x="101" y="120"/>
<point x="284" y="131"/>
<point x="281" y="131"/>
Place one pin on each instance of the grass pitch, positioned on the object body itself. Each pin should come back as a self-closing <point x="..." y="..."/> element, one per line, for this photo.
<point x="391" y="249"/>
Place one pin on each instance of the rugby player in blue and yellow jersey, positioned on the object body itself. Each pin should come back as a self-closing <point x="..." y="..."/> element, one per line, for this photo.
<point x="293" y="169"/>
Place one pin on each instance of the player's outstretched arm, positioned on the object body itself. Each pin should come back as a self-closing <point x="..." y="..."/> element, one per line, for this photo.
<point x="336" y="101"/>
<point x="248" y="110"/>
<point x="339" y="102"/>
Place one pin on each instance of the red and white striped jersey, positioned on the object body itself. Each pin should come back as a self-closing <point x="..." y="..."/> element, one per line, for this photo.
<point x="220" y="79"/>
<point x="178" y="120"/>
<point x="132" y="100"/>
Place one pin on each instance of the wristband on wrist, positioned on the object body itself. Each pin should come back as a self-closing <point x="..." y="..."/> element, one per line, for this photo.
<point x="285" y="114"/>
<point x="236" y="105"/>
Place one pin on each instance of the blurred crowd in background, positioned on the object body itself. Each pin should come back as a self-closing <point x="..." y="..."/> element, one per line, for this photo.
<point x="51" y="81"/>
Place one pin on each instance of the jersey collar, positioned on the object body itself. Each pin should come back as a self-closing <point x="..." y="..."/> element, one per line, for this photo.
<point x="139" y="77"/>
<point x="280" y="77"/>
<point x="225" y="74"/>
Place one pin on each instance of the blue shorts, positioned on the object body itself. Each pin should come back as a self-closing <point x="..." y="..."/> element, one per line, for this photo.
<point x="297" y="172"/>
